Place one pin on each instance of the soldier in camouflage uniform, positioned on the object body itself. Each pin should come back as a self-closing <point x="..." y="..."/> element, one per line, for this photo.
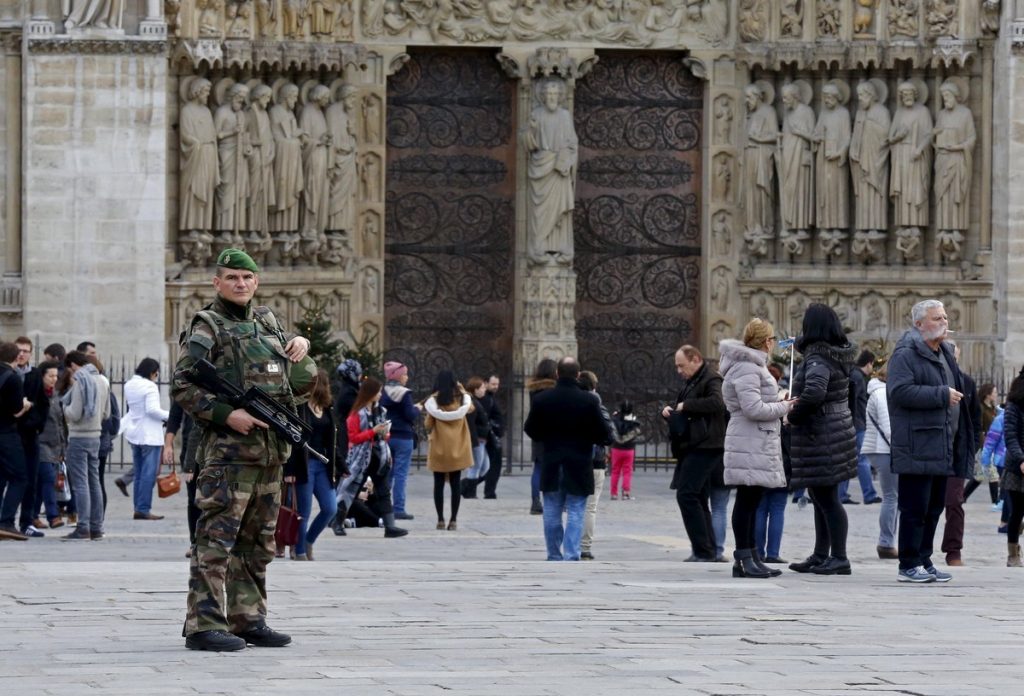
<point x="238" y="459"/>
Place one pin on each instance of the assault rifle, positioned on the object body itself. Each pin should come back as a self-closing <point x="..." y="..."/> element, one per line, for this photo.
<point x="258" y="404"/>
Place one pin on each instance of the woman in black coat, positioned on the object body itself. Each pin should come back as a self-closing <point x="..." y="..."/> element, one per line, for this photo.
<point x="1013" y="470"/>
<point x="823" y="445"/>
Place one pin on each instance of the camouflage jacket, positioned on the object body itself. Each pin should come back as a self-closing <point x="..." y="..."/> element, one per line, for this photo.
<point x="247" y="347"/>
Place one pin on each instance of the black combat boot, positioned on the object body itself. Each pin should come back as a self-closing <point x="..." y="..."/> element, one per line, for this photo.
<point x="263" y="636"/>
<point x="745" y="567"/>
<point x="338" y="524"/>
<point x="390" y="530"/>
<point x="215" y="641"/>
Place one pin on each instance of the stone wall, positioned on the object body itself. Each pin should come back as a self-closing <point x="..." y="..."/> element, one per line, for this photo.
<point x="10" y="179"/>
<point x="94" y="203"/>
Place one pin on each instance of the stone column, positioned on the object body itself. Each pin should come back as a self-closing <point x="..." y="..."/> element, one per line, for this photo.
<point x="153" y="23"/>
<point x="40" y="23"/>
<point x="95" y="197"/>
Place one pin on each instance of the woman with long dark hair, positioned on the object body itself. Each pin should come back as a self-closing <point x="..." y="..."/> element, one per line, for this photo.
<point x="451" y="450"/>
<point x="545" y="377"/>
<point x="1013" y="469"/>
<point x="823" y="448"/>
<point x="369" y="455"/>
<point x="311" y="476"/>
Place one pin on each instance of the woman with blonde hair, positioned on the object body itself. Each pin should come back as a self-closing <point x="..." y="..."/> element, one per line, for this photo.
<point x="753" y="448"/>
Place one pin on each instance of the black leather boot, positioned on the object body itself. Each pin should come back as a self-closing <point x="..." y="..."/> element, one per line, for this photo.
<point x="759" y="562"/>
<point x="808" y="564"/>
<point x="215" y="641"/>
<point x="263" y="636"/>
<point x="833" y="566"/>
<point x="390" y="530"/>
<point x="338" y="524"/>
<point x="745" y="567"/>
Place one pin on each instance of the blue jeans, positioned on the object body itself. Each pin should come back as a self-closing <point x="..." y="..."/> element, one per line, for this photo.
<point x="47" y="493"/>
<point x="401" y="455"/>
<point x="318" y="484"/>
<point x="770" y="519"/>
<point x="563" y="544"/>
<point x="867" y="487"/>
<point x="83" y="462"/>
<point x="719" y="498"/>
<point x="145" y="464"/>
<point x="889" y="483"/>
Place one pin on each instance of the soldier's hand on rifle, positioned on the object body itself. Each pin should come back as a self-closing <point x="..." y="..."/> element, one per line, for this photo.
<point x="297" y="349"/>
<point x="240" y="421"/>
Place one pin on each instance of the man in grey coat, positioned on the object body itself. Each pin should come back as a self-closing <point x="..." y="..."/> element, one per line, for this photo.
<point x="932" y="436"/>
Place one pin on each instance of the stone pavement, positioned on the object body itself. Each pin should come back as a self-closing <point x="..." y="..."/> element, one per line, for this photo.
<point x="478" y="612"/>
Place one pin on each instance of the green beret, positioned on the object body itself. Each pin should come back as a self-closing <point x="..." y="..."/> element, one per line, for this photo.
<point x="302" y="375"/>
<point x="237" y="259"/>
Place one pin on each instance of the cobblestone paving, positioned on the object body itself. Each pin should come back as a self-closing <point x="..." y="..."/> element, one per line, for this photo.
<point x="478" y="612"/>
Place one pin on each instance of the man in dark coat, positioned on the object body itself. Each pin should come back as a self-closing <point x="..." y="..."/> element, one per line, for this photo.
<point x="494" y="448"/>
<point x="953" y="531"/>
<point x="859" y="375"/>
<point x="932" y="435"/>
<point x="699" y="452"/>
<point x="568" y="421"/>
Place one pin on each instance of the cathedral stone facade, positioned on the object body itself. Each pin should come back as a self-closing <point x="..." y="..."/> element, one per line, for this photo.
<point x="482" y="183"/>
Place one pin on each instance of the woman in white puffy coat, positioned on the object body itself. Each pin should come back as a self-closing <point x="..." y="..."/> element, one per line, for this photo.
<point x="876" y="448"/>
<point x="753" y="448"/>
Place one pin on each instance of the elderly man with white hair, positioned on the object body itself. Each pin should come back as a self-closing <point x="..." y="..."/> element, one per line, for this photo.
<point x="932" y="436"/>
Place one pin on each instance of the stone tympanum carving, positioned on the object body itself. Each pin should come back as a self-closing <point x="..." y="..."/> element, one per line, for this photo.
<point x="759" y="160"/>
<point x="342" y="157"/>
<point x="869" y="168"/>
<point x="101" y="14"/>
<point x="796" y="167"/>
<point x="791" y="18"/>
<point x="954" y="139"/>
<point x="200" y="172"/>
<point x="753" y="20"/>
<point x="940" y="17"/>
<point x="903" y="17"/>
<point x="832" y="193"/>
<point x="552" y="146"/>
<point x="910" y="151"/>
<point x="233" y="152"/>
<point x="830" y="18"/>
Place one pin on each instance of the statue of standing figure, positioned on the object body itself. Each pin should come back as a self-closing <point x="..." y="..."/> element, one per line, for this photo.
<point x="796" y="167"/>
<point x="909" y="141"/>
<point x="315" y="164"/>
<point x="233" y="152"/>
<point x="288" y="181"/>
<point x="954" y="138"/>
<point x="833" y="191"/>
<point x="869" y="167"/>
<point x="102" y="14"/>
<point x="553" y="151"/>
<point x="200" y="173"/>
<point x="261" y="172"/>
<point x="759" y="161"/>
<point x="343" y="179"/>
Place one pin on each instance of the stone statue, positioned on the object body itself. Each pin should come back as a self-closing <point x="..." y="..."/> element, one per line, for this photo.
<point x="723" y="119"/>
<point x="830" y="17"/>
<point x="954" y="138"/>
<point x="101" y="14"/>
<point x="288" y="179"/>
<point x="863" y="17"/>
<point x="832" y="193"/>
<point x="941" y="16"/>
<point x="266" y="19"/>
<point x="261" y="163"/>
<point x="233" y="151"/>
<point x="371" y="236"/>
<point x="295" y="12"/>
<point x="552" y="146"/>
<point x="796" y="167"/>
<point x="869" y="168"/>
<point x="371" y="119"/>
<point x="721" y="182"/>
<point x="238" y="13"/>
<point x="338" y="251"/>
<point x="342" y="171"/>
<point x="752" y="20"/>
<point x="988" y="18"/>
<point x="909" y="142"/>
<point x="792" y="17"/>
<point x="196" y="248"/>
<point x="369" y="176"/>
<point x="720" y="283"/>
<point x="762" y="311"/>
<point x="210" y="14"/>
<point x="371" y="291"/>
<point x="200" y="173"/>
<point x="172" y="13"/>
<point x="721" y="232"/>
<point x="759" y="159"/>
<point x="908" y="242"/>
<point x="875" y="315"/>
<point x="315" y="158"/>
<point x="903" y="17"/>
<point x="322" y="17"/>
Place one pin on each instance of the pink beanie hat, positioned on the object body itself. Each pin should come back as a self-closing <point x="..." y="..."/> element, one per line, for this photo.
<point x="394" y="370"/>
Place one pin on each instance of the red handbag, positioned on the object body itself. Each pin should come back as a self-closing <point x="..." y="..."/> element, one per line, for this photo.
<point x="287" y="532"/>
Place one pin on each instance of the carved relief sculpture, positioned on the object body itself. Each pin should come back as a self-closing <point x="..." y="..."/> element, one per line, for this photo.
<point x="864" y="17"/>
<point x="954" y="139"/>
<point x="209" y="14"/>
<point x="903" y="19"/>
<point x="322" y="17"/>
<point x="315" y="159"/>
<point x="723" y="119"/>
<point x="295" y="12"/>
<point x="830" y="18"/>
<point x="753" y="20"/>
<point x="369" y="178"/>
<point x="552" y="146"/>
<point x="988" y="19"/>
<point x="200" y="173"/>
<point x="371" y="235"/>
<point x="343" y="158"/>
<point x="101" y="14"/>
<point x="792" y="17"/>
<point x="796" y="167"/>
<point x="910" y="142"/>
<point x="261" y="164"/>
<point x="940" y="17"/>
<point x="239" y="14"/>
<point x="721" y="233"/>
<point x="266" y="18"/>
<point x="371" y="119"/>
<point x="721" y="171"/>
<point x="288" y="179"/>
<point x="832" y="193"/>
<point x="233" y="152"/>
<point x="721" y="281"/>
<point x="869" y="168"/>
<point x="759" y="161"/>
<point x="172" y="10"/>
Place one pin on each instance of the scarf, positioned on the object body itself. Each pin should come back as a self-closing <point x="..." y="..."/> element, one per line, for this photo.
<point x="85" y="379"/>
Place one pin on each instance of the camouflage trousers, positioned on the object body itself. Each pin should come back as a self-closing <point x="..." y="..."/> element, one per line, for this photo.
<point x="227" y="587"/>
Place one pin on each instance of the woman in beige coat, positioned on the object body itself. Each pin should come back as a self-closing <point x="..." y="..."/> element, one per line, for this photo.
<point x="753" y="447"/>
<point x="451" y="449"/>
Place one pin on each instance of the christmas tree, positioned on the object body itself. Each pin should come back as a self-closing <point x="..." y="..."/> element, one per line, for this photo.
<point x="364" y="350"/>
<point x="316" y="326"/>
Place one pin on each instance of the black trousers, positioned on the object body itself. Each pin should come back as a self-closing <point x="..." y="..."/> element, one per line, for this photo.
<point x="744" y="515"/>
<point x="921" y="502"/>
<point x="494" y="453"/>
<point x="29" y="505"/>
<point x="693" y="486"/>
<point x="12" y="476"/>
<point x="830" y="522"/>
